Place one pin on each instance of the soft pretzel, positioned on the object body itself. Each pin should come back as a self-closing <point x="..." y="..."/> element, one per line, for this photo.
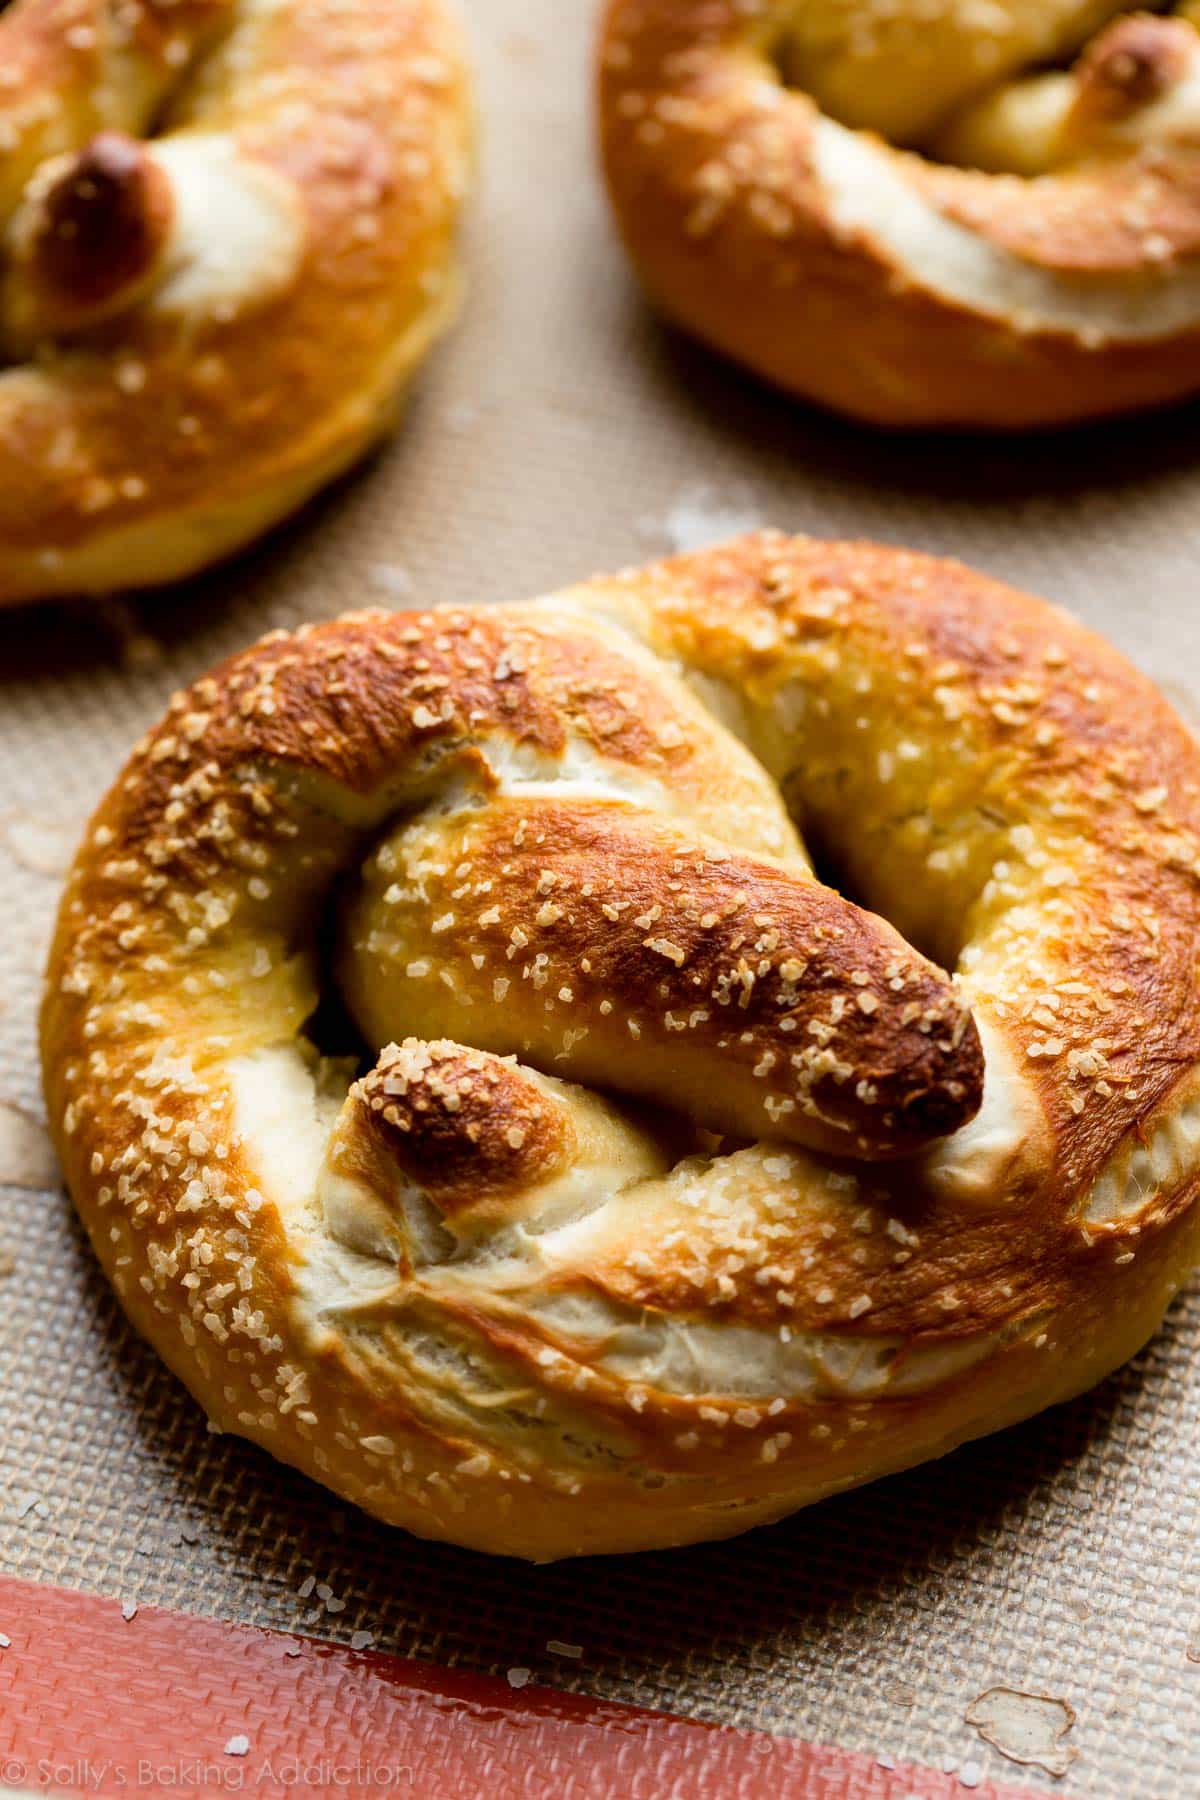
<point x="681" y="1190"/>
<point x="227" y="241"/>
<point x="896" y="209"/>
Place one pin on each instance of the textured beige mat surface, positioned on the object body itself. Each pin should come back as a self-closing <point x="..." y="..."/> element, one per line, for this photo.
<point x="561" y="431"/>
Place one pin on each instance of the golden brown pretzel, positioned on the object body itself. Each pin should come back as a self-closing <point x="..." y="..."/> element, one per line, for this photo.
<point x="1055" y="276"/>
<point x="227" y="241"/>
<point x="495" y="1305"/>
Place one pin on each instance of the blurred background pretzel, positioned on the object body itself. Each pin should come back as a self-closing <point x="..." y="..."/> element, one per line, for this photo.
<point x="227" y="241"/>
<point x="926" y="214"/>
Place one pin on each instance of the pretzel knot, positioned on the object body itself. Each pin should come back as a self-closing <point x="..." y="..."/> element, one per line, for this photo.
<point x="227" y="241"/>
<point x="680" y="1189"/>
<point x="938" y="214"/>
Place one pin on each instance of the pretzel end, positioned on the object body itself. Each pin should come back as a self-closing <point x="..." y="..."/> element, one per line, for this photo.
<point x="95" y="226"/>
<point x="1132" y="65"/>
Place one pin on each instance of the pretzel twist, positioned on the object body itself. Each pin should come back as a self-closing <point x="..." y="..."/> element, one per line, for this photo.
<point x="786" y="175"/>
<point x="681" y="1190"/>
<point x="227" y="241"/>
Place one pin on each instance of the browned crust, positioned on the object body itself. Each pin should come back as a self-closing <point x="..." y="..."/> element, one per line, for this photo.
<point x="99" y="231"/>
<point x="710" y="171"/>
<point x="1130" y="65"/>
<point x="66" y="61"/>
<point x="354" y="700"/>
<point x="1050" y="711"/>
<point x="521" y="1437"/>
<point x="363" y="112"/>
<point x="749" y="997"/>
<point x="465" y="1126"/>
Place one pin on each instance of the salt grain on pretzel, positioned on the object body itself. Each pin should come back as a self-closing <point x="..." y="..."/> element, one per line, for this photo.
<point x="898" y="209"/>
<point x="680" y="1190"/>
<point x="225" y="243"/>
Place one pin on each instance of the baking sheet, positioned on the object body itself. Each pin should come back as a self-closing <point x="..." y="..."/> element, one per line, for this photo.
<point x="559" y="431"/>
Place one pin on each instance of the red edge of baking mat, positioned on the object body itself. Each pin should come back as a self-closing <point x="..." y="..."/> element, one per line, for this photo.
<point x="91" y="1701"/>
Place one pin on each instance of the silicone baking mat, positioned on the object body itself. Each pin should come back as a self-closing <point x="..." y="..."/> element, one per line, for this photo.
<point x="84" y="1704"/>
<point x="561" y="430"/>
